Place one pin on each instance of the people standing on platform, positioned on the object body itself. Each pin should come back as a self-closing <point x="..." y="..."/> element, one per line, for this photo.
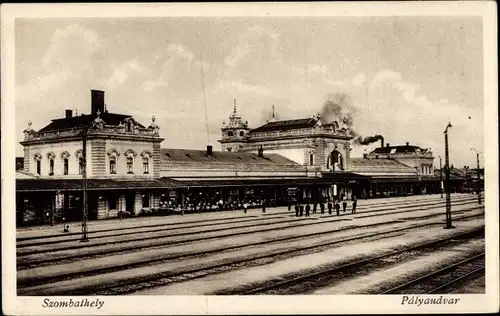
<point x="344" y="206"/>
<point x="337" y="208"/>
<point x="263" y="206"/>
<point x="301" y="210"/>
<point x="245" y="207"/>
<point x="297" y="210"/>
<point x="330" y="207"/>
<point x="354" y="204"/>
<point x="315" y="207"/>
<point x="289" y="206"/>
<point x="322" y="207"/>
<point x="308" y="210"/>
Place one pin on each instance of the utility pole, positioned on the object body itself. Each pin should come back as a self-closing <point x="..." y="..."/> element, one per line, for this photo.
<point x="84" y="174"/>
<point x="478" y="184"/>
<point x="447" y="186"/>
<point x="440" y="177"/>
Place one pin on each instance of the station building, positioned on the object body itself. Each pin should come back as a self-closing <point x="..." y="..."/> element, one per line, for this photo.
<point x="128" y="172"/>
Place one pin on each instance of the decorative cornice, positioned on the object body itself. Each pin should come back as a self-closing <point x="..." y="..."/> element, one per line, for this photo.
<point x="146" y="154"/>
<point x="65" y="154"/>
<point x="130" y="152"/>
<point x="113" y="152"/>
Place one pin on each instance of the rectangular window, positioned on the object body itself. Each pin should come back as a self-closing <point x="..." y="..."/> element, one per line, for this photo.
<point x="80" y="163"/>
<point x="130" y="165"/>
<point x="51" y="167"/>
<point x="311" y="159"/>
<point x="112" y="165"/>
<point x="39" y="167"/>
<point x="112" y="201"/>
<point x="145" y="164"/>
<point x="145" y="200"/>
<point x="66" y="164"/>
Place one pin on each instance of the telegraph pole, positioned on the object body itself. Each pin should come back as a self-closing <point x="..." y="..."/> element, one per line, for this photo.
<point x="440" y="177"/>
<point x="478" y="184"/>
<point x="84" y="174"/>
<point x="447" y="186"/>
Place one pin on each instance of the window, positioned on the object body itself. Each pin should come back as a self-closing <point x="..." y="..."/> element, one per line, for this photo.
<point x="51" y="167"/>
<point x="311" y="159"/>
<point x="145" y="164"/>
<point x="130" y="165"/>
<point x="66" y="165"/>
<point x="230" y="133"/>
<point x="80" y="165"/>
<point x="422" y="168"/>
<point x="112" y="165"/>
<point x="129" y="126"/>
<point x="242" y="133"/>
<point x="39" y="167"/>
<point x="229" y="149"/>
<point x="145" y="200"/>
<point x="112" y="201"/>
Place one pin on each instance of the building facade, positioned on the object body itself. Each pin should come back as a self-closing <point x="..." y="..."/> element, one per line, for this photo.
<point x="320" y="146"/>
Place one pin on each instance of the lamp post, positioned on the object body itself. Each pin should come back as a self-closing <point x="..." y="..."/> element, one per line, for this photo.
<point x="440" y="176"/>
<point x="478" y="184"/>
<point x="84" y="175"/>
<point x="447" y="186"/>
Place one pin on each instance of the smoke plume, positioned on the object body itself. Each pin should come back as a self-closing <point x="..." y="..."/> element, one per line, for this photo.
<point x="339" y="107"/>
<point x="367" y="140"/>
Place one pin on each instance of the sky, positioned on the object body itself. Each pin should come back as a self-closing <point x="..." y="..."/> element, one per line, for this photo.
<point x="404" y="77"/>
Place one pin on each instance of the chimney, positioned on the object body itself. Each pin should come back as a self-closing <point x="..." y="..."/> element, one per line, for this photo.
<point x="69" y="114"/>
<point x="209" y="150"/>
<point x="387" y="145"/>
<point x="381" y="142"/>
<point x="407" y="144"/>
<point x="260" y="152"/>
<point x="97" y="99"/>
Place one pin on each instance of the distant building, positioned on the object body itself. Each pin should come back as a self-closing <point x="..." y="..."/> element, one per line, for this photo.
<point x="312" y="142"/>
<point x="413" y="156"/>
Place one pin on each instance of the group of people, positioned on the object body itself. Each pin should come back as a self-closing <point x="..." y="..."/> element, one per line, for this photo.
<point x="330" y="205"/>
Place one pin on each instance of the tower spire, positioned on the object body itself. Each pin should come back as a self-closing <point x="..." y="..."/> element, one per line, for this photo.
<point x="234" y="106"/>
<point x="274" y="116"/>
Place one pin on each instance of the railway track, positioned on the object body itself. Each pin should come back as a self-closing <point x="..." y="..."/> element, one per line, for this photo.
<point x="25" y="250"/>
<point x="31" y="262"/>
<point x="74" y="236"/>
<point x="444" y="279"/>
<point x="303" y="283"/>
<point x="131" y="284"/>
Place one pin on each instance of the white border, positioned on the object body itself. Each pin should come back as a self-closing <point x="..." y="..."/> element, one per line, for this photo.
<point x="253" y="304"/>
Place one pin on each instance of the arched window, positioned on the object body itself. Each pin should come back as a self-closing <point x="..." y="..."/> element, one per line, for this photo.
<point x="65" y="158"/>
<point x="112" y="165"/>
<point x="311" y="157"/>
<point x="130" y="164"/>
<point x="79" y="157"/>
<point x="335" y="161"/>
<point x="230" y="133"/>
<point x="113" y="157"/>
<point x="66" y="166"/>
<point x="229" y="149"/>
<point x="51" y="157"/>
<point x="38" y="159"/>
<point x="145" y="164"/>
<point x="242" y="134"/>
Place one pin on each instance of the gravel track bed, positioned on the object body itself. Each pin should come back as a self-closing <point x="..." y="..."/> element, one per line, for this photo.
<point x="129" y="289"/>
<point x="200" y="255"/>
<point x="434" y="280"/>
<point x="331" y="275"/>
<point x="33" y="262"/>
